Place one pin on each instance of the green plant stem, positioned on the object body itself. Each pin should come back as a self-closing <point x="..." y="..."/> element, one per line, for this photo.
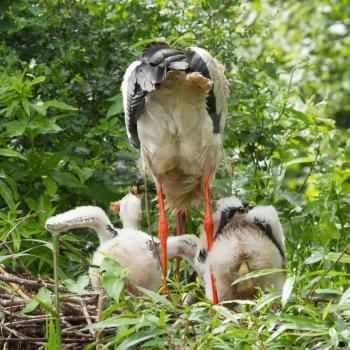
<point x="57" y="300"/>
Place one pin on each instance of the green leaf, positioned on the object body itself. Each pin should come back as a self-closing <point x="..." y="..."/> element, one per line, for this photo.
<point x="292" y="197"/>
<point x="44" y="125"/>
<point x="15" y="128"/>
<point x="335" y="256"/>
<point x="59" y="105"/>
<point x="79" y="286"/>
<point x="313" y="258"/>
<point x="334" y="337"/>
<point x="157" y="297"/>
<point x="5" y="152"/>
<point x="68" y="180"/>
<point x="114" y="322"/>
<point x="51" y="343"/>
<point x="50" y="185"/>
<point x="116" y="107"/>
<point x="6" y="194"/>
<point x="26" y="106"/>
<point x="38" y="80"/>
<point x="43" y="296"/>
<point x="300" y="160"/>
<point x="287" y="290"/>
<point x="139" y="337"/>
<point x="256" y="274"/>
<point x="113" y="285"/>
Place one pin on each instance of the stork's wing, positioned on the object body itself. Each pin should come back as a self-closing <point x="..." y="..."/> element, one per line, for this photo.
<point x="203" y="62"/>
<point x="144" y="75"/>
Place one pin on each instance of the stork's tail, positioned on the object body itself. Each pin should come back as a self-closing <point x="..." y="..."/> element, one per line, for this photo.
<point x="86" y="216"/>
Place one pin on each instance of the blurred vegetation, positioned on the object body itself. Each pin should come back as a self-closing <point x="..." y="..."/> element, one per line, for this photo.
<point x="63" y="143"/>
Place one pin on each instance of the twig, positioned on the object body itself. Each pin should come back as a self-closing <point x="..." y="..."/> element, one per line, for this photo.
<point x="16" y="287"/>
<point x="16" y="333"/>
<point x="30" y="283"/>
<point x="318" y="299"/>
<point x="100" y="305"/>
<point x="32" y="340"/>
<point x="311" y="169"/>
<point x="285" y="99"/>
<point x="326" y="272"/>
<point x="77" y="300"/>
<point x="87" y="316"/>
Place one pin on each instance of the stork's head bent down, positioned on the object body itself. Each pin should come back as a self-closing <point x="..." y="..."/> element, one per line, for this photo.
<point x="175" y="111"/>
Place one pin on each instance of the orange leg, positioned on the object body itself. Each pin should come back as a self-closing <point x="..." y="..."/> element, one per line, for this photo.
<point x="180" y="220"/>
<point x="209" y="230"/>
<point x="163" y="234"/>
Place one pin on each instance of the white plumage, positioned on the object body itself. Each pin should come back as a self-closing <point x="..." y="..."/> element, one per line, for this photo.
<point x="133" y="249"/>
<point x="249" y="240"/>
<point x="175" y="111"/>
<point x="179" y="133"/>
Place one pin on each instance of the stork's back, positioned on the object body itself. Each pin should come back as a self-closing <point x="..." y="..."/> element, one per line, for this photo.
<point x="175" y="111"/>
<point x="244" y="247"/>
<point x="178" y="144"/>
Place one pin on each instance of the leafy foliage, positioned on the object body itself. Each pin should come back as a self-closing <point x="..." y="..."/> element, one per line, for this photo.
<point x="63" y="143"/>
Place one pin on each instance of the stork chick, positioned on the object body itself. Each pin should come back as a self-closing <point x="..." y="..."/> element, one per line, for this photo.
<point x="129" y="210"/>
<point x="245" y="240"/>
<point x="134" y="249"/>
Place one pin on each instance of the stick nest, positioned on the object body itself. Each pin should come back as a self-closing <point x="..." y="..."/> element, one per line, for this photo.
<point x="30" y="331"/>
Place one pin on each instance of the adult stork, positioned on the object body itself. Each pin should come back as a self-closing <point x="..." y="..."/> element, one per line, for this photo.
<point x="175" y="110"/>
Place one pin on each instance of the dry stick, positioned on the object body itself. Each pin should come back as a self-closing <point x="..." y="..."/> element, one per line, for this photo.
<point x="16" y="287"/>
<point x="78" y="300"/>
<point x="56" y="292"/>
<point x="32" y="340"/>
<point x="41" y="318"/>
<point x="16" y="333"/>
<point x="87" y="316"/>
<point x="30" y="283"/>
<point x="100" y="305"/>
<point x="329" y="269"/>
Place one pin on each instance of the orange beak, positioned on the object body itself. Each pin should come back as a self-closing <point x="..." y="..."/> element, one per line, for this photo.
<point x="114" y="207"/>
<point x="135" y="190"/>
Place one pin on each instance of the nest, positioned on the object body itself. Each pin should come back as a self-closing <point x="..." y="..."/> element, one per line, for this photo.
<point x="30" y="331"/>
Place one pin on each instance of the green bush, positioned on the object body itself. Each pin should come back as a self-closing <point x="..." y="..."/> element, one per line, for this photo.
<point x="63" y="143"/>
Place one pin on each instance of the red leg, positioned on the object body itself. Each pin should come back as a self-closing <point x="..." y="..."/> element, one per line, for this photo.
<point x="180" y="220"/>
<point x="163" y="234"/>
<point x="209" y="230"/>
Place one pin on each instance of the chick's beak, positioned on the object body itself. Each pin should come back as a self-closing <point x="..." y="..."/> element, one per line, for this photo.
<point x="114" y="207"/>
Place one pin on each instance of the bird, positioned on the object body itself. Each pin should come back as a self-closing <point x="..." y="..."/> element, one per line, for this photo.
<point x="134" y="249"/>
<point x="245" y="240"/>
<point x="129" y="210"/>
<point x="175" y="110"/>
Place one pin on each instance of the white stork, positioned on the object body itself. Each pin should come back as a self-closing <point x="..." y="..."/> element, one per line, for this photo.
<point x="245" y="240"/>
<point x="175" y="111"/>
